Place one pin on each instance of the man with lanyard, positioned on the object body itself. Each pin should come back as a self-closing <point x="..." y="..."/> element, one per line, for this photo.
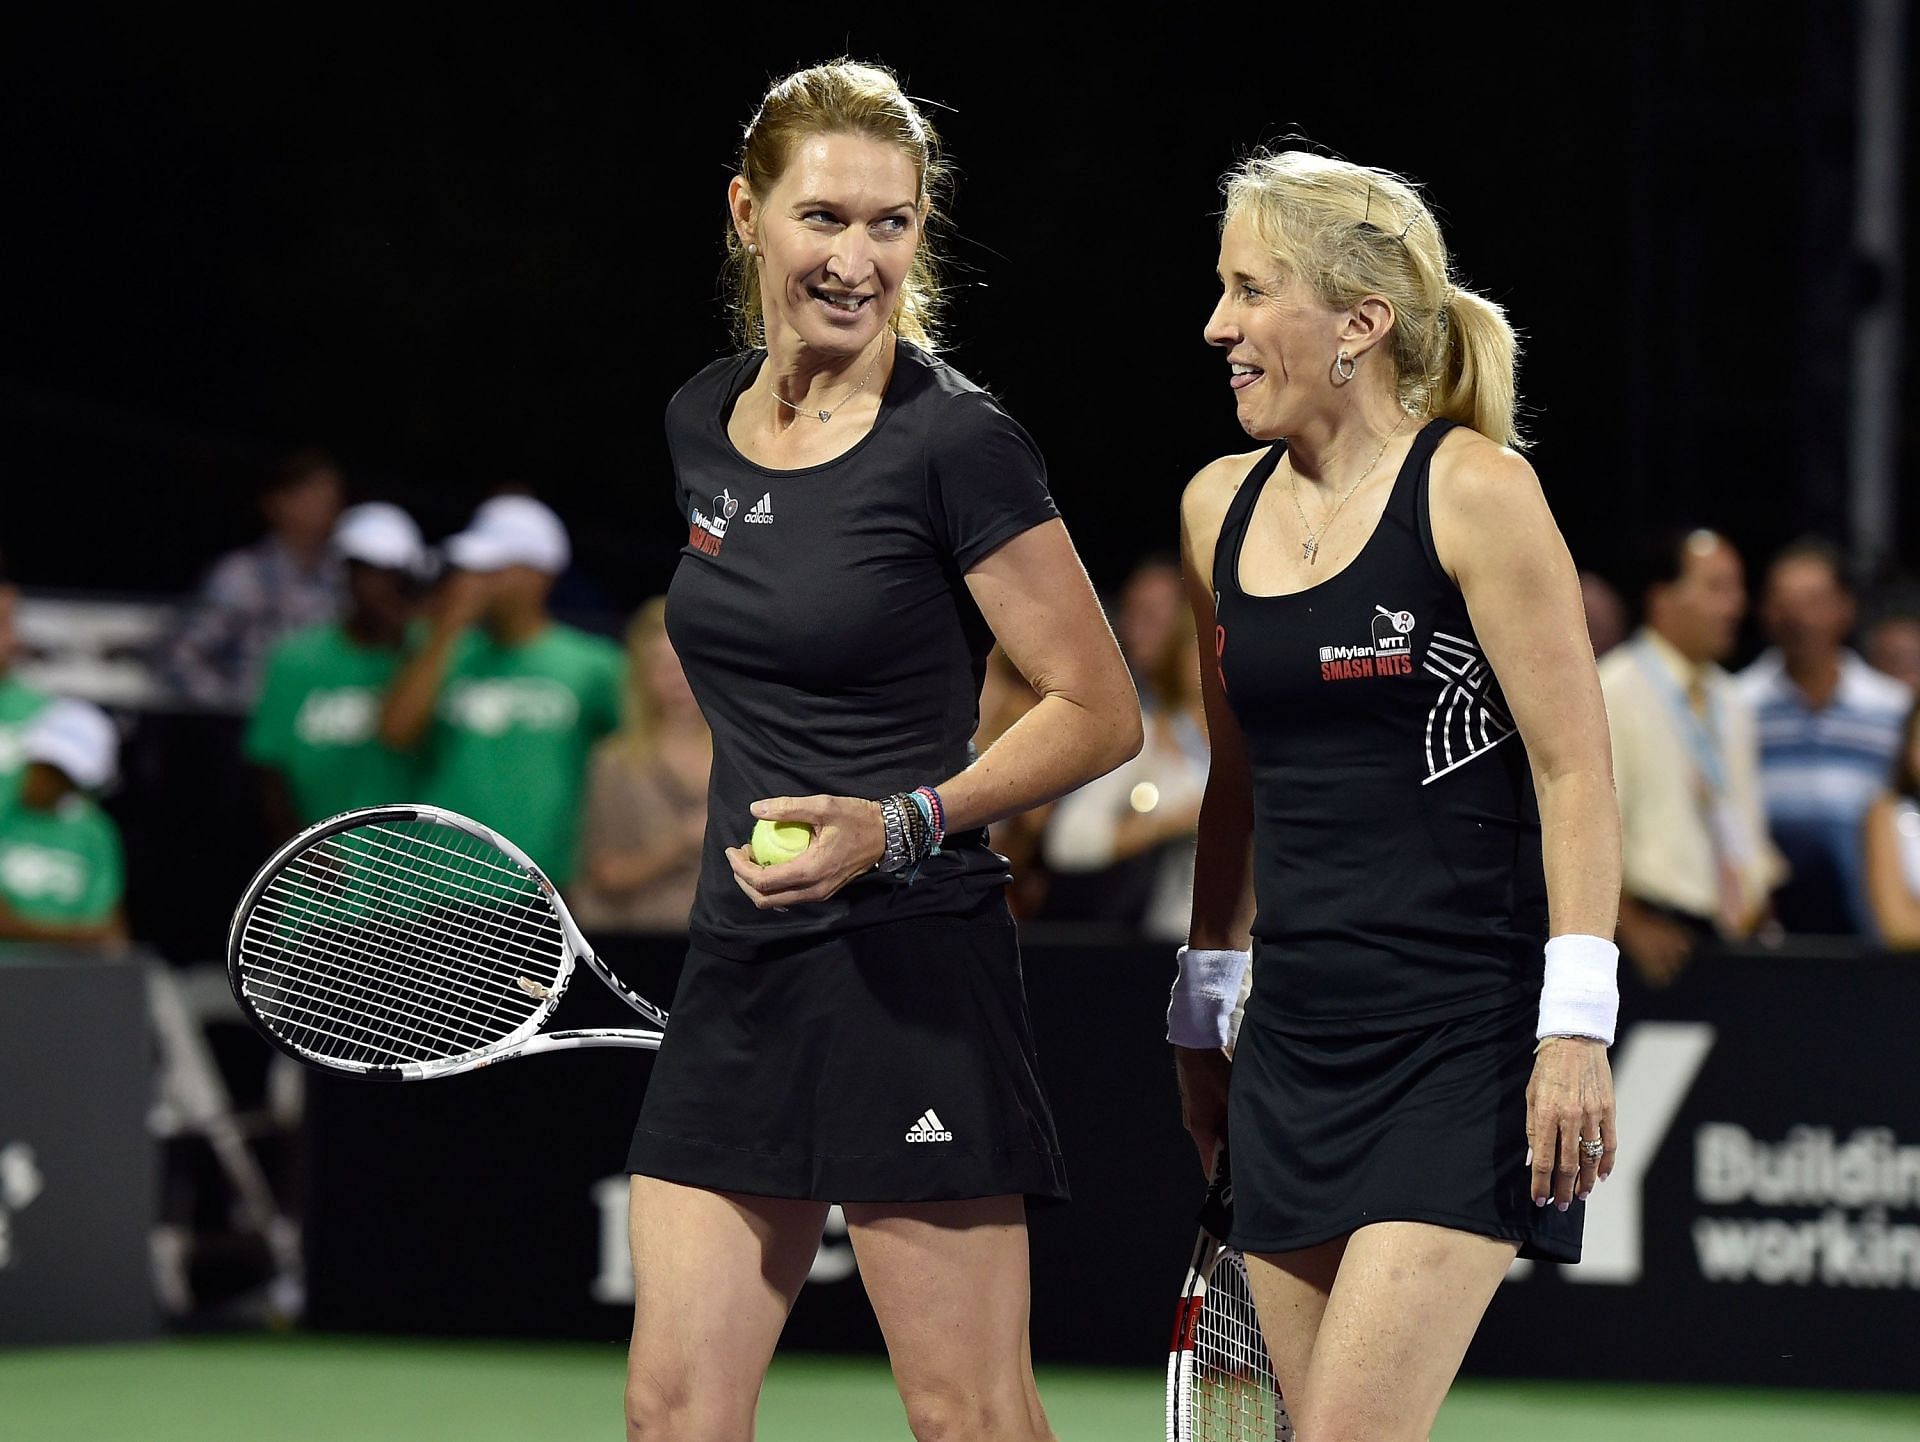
<point x="314" y="734"/>
<point x="502" y="701"/>
<point x="1698" y="863"/>
<point x="61" y="867"/>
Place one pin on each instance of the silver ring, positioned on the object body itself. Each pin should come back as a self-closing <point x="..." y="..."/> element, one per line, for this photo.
<point x="1594" y="1148"/>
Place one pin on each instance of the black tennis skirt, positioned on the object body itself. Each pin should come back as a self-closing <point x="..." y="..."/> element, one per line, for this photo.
<point x="1332" y="1133"/>
<point x="890" y="1064"/>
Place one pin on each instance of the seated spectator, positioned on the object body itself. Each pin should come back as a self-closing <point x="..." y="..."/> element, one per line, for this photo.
<point x="646" y="795"/>
<point x="19" y="702"/>
<point x="501" y="702"/>
<point x="1698" y="863"/>
<point x="1891" y="640"/>
<point x="1121" y="847"/>
<point x="1829" y="728"/>
<point x="61" y="868"/>
<point x="1606" y="612"/>
<point x="1151" y="610"/>
<point x="254" y="596"/>
<point x="315" y="733"/>
<point x="1892" y="845"/>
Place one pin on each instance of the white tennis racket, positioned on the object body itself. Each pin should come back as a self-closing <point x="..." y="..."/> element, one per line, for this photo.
<point x="408" y="942"/>
<point x="1220" y="1381"/>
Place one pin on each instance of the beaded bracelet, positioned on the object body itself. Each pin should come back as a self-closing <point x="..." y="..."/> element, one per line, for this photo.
<point x="935" y="814"/>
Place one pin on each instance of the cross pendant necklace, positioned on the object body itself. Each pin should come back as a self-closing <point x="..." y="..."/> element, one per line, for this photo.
<point x="1310" y="548"/>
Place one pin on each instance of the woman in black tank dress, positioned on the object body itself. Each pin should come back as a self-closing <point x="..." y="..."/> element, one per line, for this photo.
<point x="1410" y="754"/>
<point x="862" y="524"/>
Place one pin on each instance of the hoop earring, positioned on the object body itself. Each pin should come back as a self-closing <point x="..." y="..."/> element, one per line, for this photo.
<point x="1343" y="366"/>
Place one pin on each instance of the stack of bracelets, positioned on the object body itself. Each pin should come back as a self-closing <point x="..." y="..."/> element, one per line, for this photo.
<point x="916" y="824"/>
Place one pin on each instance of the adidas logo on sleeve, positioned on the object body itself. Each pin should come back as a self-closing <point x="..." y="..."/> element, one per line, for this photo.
<point x="928" y="1129"/>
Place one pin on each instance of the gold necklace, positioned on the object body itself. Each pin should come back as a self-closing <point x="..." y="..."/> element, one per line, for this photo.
<point x="826" y="415"/>
<point x="1310" y="548"/>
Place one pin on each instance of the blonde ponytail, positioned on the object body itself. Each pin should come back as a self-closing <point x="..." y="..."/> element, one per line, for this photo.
<point x="1477" y="384"/>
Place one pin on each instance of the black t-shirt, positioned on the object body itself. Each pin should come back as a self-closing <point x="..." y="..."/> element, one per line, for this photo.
<point x="827" y="632"/>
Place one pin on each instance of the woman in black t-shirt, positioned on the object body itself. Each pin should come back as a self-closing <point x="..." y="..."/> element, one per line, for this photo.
<point x="862" y="524"/>
<point x="1410" y="756"/>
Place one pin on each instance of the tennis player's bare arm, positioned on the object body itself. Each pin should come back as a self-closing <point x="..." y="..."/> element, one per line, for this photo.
<point x="1036" y="597"/>
<point x="1223" y="857"/>
<point x="1496" y="537"/>
<point x="1896" y="910"/>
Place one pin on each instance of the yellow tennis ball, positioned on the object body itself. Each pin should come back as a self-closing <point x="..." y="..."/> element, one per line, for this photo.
<point x="777" y="841"/>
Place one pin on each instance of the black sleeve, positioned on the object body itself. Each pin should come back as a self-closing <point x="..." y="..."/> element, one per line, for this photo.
<point x="985" y="479"/>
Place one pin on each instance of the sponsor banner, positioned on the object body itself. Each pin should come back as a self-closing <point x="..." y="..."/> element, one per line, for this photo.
<point x="1762" y="1226"/>
<point x="77" y="1179"/>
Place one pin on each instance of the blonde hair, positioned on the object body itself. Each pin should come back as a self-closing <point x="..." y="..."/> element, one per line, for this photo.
<point x="633" y="745"/>
<point x="842" y="97"/>
<point x="1351" y="231"/>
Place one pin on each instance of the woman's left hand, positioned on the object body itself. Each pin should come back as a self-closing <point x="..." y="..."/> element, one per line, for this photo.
<point x="1569" y="1099"/>
<point x="848" y="838"/>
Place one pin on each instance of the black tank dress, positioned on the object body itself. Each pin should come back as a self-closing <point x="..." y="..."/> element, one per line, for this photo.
<point x="1381" y="1069"/>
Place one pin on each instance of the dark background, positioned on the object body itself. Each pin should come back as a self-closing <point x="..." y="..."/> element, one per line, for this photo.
<point x="461" y="254"/>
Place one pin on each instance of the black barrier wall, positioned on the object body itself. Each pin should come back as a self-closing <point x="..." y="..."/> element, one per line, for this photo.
<point x="1763" y="1226"/>
<point x="77" y="1167"/>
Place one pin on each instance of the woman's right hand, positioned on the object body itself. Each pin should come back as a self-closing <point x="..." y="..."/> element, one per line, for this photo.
<point x="1203" y="1074"/>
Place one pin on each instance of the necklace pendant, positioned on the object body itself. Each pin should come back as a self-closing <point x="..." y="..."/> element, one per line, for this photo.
<point x="1308" y="547"/>
<point x="825" y="416"/>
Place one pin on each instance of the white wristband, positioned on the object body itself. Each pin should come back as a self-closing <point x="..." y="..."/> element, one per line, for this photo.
<point x="1200" y="1011"/>
<point x="1581" y="995"/>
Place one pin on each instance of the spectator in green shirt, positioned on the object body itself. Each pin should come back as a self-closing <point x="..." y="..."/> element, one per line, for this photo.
<point x="315" y="733"/>
<point x="502" y="701"/>
<point x="61" y="869"/>
<point x="19" y="702"/>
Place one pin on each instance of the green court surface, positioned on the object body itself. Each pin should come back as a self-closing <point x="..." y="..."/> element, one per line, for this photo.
<point x="308" y="1389"/>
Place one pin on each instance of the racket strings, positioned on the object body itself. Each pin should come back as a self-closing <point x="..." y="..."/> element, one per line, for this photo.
<point x="413" y="1006"/>
<point x="326" y="996"/>
<point x="419" y="906"/>
<point x="523" y="909"/>
<point x="374" y="945"/>
<point x="1234" y="1396"/>
<point x="415" y="942"/>
<point x="451" y="1012"/>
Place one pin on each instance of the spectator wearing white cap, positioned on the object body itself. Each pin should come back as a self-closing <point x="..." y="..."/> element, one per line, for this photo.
<point x="62" y="872"/>
<point x="314" y="735"/>
<point x="502" y="702"/>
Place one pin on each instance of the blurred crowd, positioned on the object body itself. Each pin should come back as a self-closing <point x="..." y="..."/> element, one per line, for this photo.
<point x="1782" y="797"/>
